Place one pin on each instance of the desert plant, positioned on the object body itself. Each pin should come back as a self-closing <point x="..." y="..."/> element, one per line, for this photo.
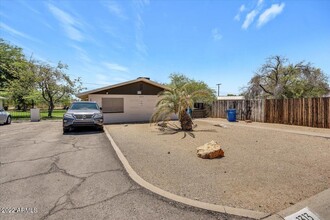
<point x="176" y="100"/>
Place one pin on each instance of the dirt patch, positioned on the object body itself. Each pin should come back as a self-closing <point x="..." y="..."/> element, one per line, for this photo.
<point x="262" y="170"/>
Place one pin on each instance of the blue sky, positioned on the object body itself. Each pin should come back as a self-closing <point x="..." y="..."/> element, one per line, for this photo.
<point x="107" y="42"/>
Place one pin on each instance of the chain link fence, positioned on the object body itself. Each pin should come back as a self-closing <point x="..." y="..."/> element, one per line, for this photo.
<point x="25" y="115"/>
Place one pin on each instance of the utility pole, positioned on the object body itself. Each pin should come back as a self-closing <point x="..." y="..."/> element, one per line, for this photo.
<point x="219" y="84"/>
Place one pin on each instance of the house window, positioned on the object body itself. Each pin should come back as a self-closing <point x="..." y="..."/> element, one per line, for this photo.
<point x="113" y="105"/>
<point x="198" y="105"/>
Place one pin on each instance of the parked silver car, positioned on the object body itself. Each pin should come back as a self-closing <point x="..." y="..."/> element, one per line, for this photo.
<point x="83" y="114"/>
<point x="5" y="117"/>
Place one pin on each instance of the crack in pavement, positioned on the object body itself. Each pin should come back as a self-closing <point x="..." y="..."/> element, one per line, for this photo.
<point x="38" y="142"/>
<point x="39" y="158"/>
<point x="53" y="169"/>
<point x="76" y="147"/>
<point x="19" y="145"/>
<point x="97" y="172"/>
<point x="65" y="200"/>
<point x="54" y="155"/>
<point x="130" y="190"/>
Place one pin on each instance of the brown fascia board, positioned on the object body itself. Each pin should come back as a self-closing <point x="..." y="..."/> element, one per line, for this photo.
<point x="122" y="84"/>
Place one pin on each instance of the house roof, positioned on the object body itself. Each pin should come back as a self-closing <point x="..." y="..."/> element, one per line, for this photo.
<point x="140" y="79"/>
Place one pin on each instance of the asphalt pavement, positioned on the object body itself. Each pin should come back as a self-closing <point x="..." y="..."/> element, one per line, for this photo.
<point x="47" y="175"/>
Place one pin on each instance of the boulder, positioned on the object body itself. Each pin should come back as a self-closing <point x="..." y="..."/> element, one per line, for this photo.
<point x="210" y="150"/>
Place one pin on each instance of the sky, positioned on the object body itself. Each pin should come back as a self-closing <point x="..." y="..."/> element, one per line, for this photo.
<point x="216" y="41"/>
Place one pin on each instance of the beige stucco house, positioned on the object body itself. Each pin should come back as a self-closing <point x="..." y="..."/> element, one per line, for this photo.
<point x="131" y="101"/>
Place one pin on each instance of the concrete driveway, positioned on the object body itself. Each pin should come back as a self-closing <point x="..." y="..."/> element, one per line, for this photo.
<point x="47" y="175"/>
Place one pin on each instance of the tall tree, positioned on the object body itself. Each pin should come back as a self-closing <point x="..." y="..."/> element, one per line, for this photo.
<point x="17" y="80"/>
<point x="12" y="62"/>
<point x="22" y="89"/>
<point x="278" y="78"/>
<point x="179" y="80"/>
<point x="26" y="82"/>
<point x="181" y="95"/>
<point x="54" y="84"/>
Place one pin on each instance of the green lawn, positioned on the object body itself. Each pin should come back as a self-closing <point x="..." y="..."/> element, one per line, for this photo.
<point x="57" y="114"/>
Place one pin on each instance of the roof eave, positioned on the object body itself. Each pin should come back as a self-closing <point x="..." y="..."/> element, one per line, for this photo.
<point x="121" y="84"/>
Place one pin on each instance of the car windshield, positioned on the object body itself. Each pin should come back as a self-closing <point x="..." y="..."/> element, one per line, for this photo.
<point x="84" y="106"/>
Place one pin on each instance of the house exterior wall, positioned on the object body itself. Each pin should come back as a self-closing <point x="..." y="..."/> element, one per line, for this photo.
<point x="137" y="108"/>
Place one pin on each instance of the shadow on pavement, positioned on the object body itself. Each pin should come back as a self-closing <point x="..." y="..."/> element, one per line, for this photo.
<point x="83" y="131"/>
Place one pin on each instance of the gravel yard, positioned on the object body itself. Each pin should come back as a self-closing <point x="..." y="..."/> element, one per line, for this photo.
<point x="264" y="170"/>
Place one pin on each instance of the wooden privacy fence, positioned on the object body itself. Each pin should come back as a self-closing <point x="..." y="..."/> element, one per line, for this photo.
<point x="245" y="109"/>
<point x="312" y="112"/>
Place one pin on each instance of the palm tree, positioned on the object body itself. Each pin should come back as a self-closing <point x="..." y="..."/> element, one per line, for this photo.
<point x="177" y="100"/>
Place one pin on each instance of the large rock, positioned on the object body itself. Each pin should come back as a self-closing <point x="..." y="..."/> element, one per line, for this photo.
<point x="210" y="150"/>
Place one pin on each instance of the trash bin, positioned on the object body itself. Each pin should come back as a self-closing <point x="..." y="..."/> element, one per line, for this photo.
<point x="189" y="112"/>
<point x="35" y="114"/>
<point x="231" y="115"/>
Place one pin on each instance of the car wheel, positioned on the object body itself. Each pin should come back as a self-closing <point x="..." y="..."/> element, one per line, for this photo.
<point x="8" y="120"/>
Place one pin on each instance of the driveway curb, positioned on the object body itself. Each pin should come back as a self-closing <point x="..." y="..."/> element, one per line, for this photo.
<point x="307" y="133"/>
<point x="180" y="199"/>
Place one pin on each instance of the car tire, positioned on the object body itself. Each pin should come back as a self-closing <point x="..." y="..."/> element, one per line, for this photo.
<point x="8" y="121"/>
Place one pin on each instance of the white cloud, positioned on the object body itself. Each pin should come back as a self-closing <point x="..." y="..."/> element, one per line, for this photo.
<point x="141" y="48"/>
<point x="141" y="3"/>
<point x="249" y="19"/>
<point x="70" y="25"/>
<point x="115" y="67"/>
<point x="115" y="9"/>
<point x="28" y="6"/>
<point x="82" y="54"/>
<point x="101" y="77"/>
<point x="14" y="32"/>
<point x="242" y="8"/>
<point x="216" y="34"/>
<point x="238" y="15"/>
<point x="270" y="14"/>
<point x="260" y="2"/>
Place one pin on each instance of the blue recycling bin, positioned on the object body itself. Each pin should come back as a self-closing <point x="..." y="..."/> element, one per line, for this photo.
<point x="231" y="115"/>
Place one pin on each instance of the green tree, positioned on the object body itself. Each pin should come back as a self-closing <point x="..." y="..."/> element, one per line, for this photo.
<point x="30" y="82"/>
<point x="16" y="78"/>
<point x="179" y="80"/>
<point x="278" y="78"/>
<point x="180" y="96"/>
<point x="12" y="62"/>
<point x="54" y="83"/>
<point x="22" y="88"/>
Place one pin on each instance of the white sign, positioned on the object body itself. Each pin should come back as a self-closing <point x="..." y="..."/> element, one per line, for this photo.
<point x="304" y="214"/>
